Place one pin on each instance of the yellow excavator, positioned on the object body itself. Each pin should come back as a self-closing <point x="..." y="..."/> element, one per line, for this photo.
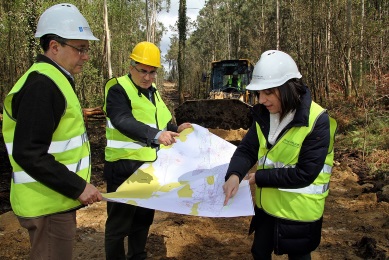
<point x="228" y="106"/>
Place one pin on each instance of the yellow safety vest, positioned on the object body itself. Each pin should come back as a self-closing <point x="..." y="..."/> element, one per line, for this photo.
<point x="69" y="146"/>
<point x="303" y="204"/>
<point x="120" y="146"/>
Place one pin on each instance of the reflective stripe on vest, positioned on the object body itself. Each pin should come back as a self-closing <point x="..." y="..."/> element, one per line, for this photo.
<point x="303" y="204"/>
<point x="61" y="146"/>
<point x="123" y="144"/>
<point x="69" y="146"/>
<point x="110" y="125"/>
<point x="157" y="116"/>
<point x="310" y="189"/>
<point x="22" y="177"/>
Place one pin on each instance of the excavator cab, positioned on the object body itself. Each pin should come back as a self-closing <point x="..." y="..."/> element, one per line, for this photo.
<point x="229" y="79"/>
<point x="228" y="105"/>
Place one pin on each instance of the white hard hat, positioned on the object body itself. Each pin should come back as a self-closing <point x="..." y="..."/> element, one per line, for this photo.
<point x="273" y="69"/>
<point x="66" y="21"/>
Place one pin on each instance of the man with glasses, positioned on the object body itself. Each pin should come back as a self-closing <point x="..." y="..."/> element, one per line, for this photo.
<point x="138" y="122"/>
<point x="46" y="138"/>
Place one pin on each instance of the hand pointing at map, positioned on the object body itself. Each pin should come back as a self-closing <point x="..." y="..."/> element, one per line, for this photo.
<point x="230" y="188"/>
<point x="167" y="138"/>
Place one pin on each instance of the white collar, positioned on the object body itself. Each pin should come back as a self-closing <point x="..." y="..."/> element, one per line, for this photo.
<point x="276" y="126"/>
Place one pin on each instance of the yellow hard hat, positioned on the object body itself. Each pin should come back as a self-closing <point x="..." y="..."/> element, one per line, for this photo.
<point x="146" y="53"/>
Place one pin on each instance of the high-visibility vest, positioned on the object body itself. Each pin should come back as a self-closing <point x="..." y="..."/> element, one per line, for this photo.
<point x="69" y="146"/>
<point x="120" y="146"/>
<point x="303" y="204"/>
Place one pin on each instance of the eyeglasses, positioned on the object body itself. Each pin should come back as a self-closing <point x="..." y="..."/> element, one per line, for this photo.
<point x="81" y="51"/>
<point x="144" y="73"/>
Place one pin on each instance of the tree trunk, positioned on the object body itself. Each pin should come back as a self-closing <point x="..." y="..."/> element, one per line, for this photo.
<point x="348" y="64"/>
<point x="181" y="48"/>
<point x="147" y="21"/>
<point x="107" y="40"/>
<point x="327" y="64"/>
<point x="278" y="23"/>
<point x="32" y="18"/>
<point x="361" y="44"/>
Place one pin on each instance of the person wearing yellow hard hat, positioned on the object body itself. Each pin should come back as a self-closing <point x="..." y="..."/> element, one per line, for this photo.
<point x="138" y="123"/>
<point x="46" y="138"/>
<point x="291" y="143"/>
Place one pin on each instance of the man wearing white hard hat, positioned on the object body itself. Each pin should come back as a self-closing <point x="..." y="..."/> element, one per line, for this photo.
<point x="291" y="141"/>
<point x="46" y="138"/>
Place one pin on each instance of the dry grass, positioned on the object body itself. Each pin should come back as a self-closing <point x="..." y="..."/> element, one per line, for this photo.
<point x="378" y="160"/>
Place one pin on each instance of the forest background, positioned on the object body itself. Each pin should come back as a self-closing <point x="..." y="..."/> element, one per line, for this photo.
<point x="341" y="47"/>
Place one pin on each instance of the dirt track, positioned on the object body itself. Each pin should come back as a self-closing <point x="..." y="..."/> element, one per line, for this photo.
<point x="356" y="219"/>
<point x="356" y="225"/>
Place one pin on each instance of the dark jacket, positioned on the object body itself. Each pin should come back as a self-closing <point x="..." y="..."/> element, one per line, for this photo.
<point x="310" y="162"/>
<point x="38" y="108"/>
<point x="119" y="111"/>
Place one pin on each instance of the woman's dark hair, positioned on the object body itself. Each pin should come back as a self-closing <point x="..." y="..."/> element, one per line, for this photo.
<point x="45" y="40"/>
<point x="290" y="93"/>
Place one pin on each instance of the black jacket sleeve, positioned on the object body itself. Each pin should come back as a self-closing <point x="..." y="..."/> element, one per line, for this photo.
<point x="245" y="156"/>
<point x="38" y="108"/>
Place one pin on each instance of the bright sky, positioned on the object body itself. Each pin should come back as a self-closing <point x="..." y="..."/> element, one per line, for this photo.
<point x="192" y="9"/>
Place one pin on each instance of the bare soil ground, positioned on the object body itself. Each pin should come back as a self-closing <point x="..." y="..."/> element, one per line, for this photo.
<point x="356" y="219"/>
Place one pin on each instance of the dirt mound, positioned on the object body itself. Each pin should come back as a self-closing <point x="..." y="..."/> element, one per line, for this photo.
<point x="227" y="114"/>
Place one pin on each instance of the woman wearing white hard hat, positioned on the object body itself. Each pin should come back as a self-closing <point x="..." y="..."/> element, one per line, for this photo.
<point x="291" y="141"/>
<point x="46" y="137"/>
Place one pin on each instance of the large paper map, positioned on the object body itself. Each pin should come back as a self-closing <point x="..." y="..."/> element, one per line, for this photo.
<point x="187" y="178"/>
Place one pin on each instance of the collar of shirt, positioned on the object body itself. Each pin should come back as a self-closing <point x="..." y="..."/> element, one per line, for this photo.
<point x="147" y="92"/>
<point x="44" y="58"/>
<point x="64" y="70"/>
<point x="276" y="126"/>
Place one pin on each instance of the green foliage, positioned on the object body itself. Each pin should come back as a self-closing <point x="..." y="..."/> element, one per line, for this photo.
<point x="369" y="136"/>
<point x="90" y="87"/>
<point x="363" y="129"/>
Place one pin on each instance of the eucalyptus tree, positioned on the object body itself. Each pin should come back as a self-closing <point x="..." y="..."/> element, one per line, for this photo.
<point x="171" y="58"/>
<point x="107" y="39"/>
<point x="223" y="30"/>
<point x="182" y="29"/>
<point x="335" y="43"/>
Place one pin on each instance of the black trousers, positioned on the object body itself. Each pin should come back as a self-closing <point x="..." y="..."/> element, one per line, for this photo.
<point x="129" y="221"/>
<point x="263" y="244"/>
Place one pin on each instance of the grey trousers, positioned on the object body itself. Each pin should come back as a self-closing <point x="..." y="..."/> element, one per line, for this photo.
<point x="51" y="237"/>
